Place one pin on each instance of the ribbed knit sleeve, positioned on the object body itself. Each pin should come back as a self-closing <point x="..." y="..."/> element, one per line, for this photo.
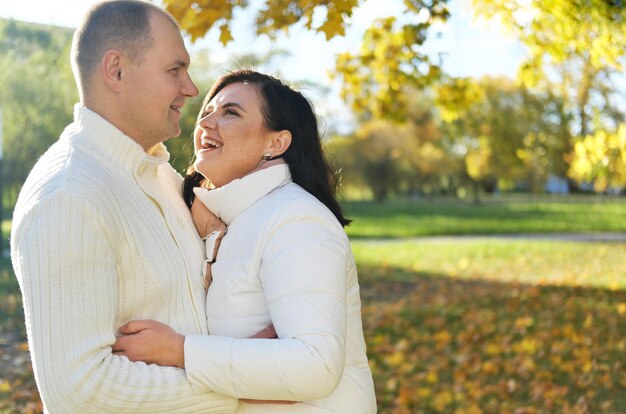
<point x="66" y="267"/>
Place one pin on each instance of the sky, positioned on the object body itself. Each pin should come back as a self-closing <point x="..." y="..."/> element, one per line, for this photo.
<point x="466" y="47"/>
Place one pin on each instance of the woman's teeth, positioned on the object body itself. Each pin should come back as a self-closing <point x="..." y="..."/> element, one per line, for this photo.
<point x="209" y="143"/>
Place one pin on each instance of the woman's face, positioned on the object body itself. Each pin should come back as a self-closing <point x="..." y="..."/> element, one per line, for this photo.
<point x="231" y="138"/>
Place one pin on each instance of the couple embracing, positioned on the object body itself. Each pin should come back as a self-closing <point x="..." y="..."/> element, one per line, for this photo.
<point x="232" y="289"/>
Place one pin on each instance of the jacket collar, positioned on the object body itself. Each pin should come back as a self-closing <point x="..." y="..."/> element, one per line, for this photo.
<point x="232" y="199"/>
<point x="97" y="136"/>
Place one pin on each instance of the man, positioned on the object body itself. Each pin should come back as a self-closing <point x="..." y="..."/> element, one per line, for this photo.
<point x="101" y="234"/>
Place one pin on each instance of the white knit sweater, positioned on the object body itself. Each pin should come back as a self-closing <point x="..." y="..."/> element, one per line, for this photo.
<point x="101" y="236"/>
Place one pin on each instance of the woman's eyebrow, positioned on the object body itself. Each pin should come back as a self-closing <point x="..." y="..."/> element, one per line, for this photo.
<point x="233" y="104"/>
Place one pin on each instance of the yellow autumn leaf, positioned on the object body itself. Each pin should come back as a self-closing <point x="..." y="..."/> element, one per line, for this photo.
<point x="332" y="28"/>
<point x="526" y="345"/>
<point x="524" y="322"/>
<point x="395" y="359"/>
<point x="472" y="409"/>
<point x="424" y="392"/>
<point x="442" y="337"/>
<point x="493" y="349"/>
<point x="442" y="400"/>
<point x="489" y="367"/>
<point x="432" y="377"/>
<point x="225" y="34"/>
<point x="527" y="364"/>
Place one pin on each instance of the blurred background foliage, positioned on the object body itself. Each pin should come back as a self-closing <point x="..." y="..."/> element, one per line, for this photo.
<point x="419" y="131"/>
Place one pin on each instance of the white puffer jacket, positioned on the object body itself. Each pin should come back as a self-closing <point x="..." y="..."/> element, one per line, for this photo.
<point x="285" y="260"/>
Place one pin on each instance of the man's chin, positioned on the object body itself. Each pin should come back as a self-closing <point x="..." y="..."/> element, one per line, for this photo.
<point x="175" y="133"/>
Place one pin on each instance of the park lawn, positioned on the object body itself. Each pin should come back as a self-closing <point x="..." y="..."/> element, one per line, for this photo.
<point x="468" y="325"/>
<point x="496" y="215"/>
<point x="495" y="326"/>
<point x="507" y="260"/>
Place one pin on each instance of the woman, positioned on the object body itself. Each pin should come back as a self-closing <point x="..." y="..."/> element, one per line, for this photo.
<point x="285" y="260"/>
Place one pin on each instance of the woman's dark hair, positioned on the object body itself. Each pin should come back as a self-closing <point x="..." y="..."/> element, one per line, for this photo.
<point x="284" y="109"/>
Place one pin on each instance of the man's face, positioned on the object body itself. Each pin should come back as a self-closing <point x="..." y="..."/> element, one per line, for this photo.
<point x="156" y="86"/>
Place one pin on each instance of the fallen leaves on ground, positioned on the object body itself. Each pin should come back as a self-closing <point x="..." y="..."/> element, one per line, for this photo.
<point x="18" y="392"/>
<point x="444" y="345"/>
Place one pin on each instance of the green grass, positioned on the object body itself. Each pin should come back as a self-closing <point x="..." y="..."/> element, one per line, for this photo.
<point x="410" y="218"/>
<point x="533" y="262"/>
<point x="463" y="325"/>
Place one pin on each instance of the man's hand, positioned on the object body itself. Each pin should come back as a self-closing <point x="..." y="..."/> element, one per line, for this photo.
<point x="151" y="342"/>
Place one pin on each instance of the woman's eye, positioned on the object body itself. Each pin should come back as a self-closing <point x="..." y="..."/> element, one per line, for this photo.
<point x="231" y="112"/>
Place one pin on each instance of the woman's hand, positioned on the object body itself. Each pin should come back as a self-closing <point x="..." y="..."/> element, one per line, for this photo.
<point x="151" y="342"/>
<point x="205" y="221"/>
<point x="266" y="333"/>
<point x="212" y="229"/>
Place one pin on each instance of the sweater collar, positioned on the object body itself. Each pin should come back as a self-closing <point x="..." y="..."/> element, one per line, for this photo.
<point x="94" y="134"/>
<point x="232" y="199"/>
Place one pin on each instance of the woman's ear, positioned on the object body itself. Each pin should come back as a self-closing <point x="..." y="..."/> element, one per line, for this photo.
<point x="281" y="140"/>
<point x="111" y="68"/>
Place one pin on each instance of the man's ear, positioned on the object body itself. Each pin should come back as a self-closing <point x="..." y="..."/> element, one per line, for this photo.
<point x="281" y="140"/>
<point x="111" y="69"/>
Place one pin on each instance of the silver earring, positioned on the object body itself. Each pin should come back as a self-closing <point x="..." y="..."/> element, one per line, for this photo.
<point x="266" y="157"/>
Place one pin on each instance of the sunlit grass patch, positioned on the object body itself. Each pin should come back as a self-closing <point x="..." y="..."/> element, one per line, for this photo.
<point x="526" y="261"/>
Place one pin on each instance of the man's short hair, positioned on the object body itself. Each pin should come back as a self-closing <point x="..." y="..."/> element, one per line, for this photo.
<point x="123" y="25"/>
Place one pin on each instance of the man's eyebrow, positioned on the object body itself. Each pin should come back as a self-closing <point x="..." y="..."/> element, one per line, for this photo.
<point x="180" y="64"/>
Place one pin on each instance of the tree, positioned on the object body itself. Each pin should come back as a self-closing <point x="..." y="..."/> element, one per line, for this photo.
<point x="575" y="48"/>
<point x="601" y="159"/>
<point x="37" y="94"/>
<point x="576" y="52"/>
<point x="375" y="79"/>
<point x="372" y="158"/>
<point x="393" y="158"/>
<point x="503" y="131"/>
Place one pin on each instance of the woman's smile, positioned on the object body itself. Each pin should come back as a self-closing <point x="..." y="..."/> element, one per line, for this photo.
<point x="231" y="136"/>
<point x="209" y="144"/>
